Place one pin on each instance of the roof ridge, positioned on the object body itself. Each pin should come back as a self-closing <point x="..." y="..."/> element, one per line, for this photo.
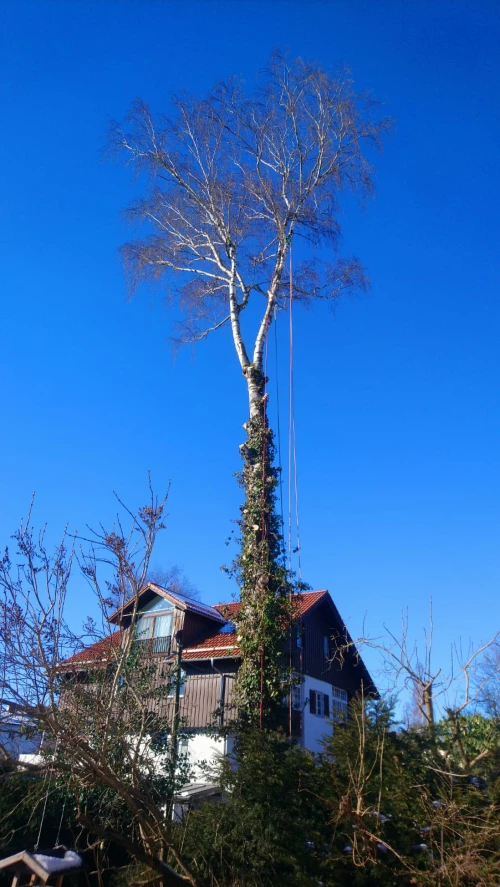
<point x="297" y="594"/>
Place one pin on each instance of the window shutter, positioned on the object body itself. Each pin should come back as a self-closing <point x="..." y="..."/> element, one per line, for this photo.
<point x="312" y="701"/>
<point x="327" y="705"/>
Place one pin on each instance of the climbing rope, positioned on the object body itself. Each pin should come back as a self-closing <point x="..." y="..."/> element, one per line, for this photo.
<point x="50" y="773"/>
<point x="278" y="412"/>
<point x="292" y="441"/>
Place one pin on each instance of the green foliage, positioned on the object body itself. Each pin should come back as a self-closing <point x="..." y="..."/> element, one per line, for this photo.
<point x="403" y="810"/>
<point x="266" y="588"/>
<point x="267" y="830"/>
<point x="33" y="811"/>
<point x="471" y="742"/>
<point x="131" y="735"/>
<point x="21" y="804"/>
<point x="381" y="806"/>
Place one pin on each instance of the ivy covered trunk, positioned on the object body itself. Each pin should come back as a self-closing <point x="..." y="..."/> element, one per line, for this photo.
<point x="264" y="618"/>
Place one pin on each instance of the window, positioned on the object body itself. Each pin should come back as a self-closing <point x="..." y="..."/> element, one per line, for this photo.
<point x="297" y="697"/>
<point x="157" y="629"/>
<point x="340" y="703"/>
<point x="326" y="646"/>
<point x="295" y="691"/>
<point x="300" y="635"/>
<point x="319" y="704"/>
<point x="173" y="680"/>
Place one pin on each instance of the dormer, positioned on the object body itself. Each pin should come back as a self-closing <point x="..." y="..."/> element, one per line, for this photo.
<point x="154" y="622"/>
<point x="161" y="613"/>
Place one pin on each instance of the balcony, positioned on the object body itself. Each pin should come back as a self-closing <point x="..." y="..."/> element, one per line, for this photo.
<point x="155" y="645"/>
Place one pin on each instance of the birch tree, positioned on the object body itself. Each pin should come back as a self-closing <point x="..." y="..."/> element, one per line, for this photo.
<point x="231" y="180"/>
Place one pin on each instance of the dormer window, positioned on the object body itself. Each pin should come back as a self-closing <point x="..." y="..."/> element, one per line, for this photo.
<point x="155" y="627"/>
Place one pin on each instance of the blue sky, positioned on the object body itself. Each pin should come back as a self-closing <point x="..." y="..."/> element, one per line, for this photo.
<point x="397" y="392"/>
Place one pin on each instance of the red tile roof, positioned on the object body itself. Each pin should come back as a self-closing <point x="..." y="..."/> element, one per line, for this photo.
<point x="304" y="602"/>
<point x="225" y="644"/>
<point x="98" y="652"/>
<point x="218" y="653"/>
<point x="220" y="644"/>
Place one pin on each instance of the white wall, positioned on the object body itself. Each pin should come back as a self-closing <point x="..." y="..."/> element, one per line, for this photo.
<point x="13" y="738"/>
<point x="203" y="751"/>
<point x="314" y="727"/>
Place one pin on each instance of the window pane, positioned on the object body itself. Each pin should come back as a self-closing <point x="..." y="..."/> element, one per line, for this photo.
<point x="173" y="682"/>
<point x="297" y="697"/>
<point x="144" y="627"/>
<point x="340" y="704"/>
<point x="163" y="626"/>
<point x="312" y="702"/>
<point x="326" y="699"/>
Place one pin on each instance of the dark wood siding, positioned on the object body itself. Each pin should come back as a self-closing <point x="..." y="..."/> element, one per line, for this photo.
<point x="208" y="699"/>
<point x="197" y="627"/>
<point x="311" y="659"/>
<point x="194" y="627"/>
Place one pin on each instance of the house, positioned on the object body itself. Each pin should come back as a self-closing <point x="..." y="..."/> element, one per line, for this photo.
<point x="17" y="735"/>
<point x="204" y="638"/>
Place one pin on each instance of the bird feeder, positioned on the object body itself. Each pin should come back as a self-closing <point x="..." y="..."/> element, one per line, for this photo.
<point x="33" y="868"/>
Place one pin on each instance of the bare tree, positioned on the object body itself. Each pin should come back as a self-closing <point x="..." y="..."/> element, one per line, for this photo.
<point x="487" y="681"/>
<point x="100" y="711"/>
<point x="232" y="179"/>
<point x="405" y="666"/>
<point x="173" y="579"/>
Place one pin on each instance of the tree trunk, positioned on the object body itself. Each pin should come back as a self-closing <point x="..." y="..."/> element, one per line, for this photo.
<point x="428" y="703"/>
<point x="264" y="616"/>
<point x="264" y="588"/>
<point x="256" y="391"/>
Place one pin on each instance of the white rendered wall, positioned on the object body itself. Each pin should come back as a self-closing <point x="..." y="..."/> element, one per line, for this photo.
<point x="16" y="743"/>
<point x="203" y="752"/>
<point x="314" y="727"/>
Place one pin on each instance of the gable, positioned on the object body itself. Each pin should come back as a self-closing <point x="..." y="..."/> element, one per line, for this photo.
<point x="156" y="605"/>
<point x="348" y="671"/>
<point x="151" y="592"/>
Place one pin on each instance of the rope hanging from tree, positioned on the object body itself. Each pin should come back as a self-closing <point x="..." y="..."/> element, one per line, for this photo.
<point x="38" y="867"/>
<point x="292" y="440"/>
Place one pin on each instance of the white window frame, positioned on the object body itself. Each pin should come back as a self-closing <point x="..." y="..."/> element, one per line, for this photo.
<point x="296" y="692"/>
<point x="146" y="618"/>
<point x="340" y="704"/>
<point x="173" y="682"/>
<point x="319" y="703"/>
